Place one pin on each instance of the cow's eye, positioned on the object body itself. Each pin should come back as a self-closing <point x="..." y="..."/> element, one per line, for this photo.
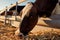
<point x="59" y="3"/>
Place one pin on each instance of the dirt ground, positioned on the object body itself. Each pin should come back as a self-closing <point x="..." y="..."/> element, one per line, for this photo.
<point x="7" y="33"/>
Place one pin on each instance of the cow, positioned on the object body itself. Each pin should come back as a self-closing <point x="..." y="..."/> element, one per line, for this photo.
<point x="31" y="12"/>
<point x="19" y="8"/>
<point x="28" y="14"/>
<point x="8" y="13"/>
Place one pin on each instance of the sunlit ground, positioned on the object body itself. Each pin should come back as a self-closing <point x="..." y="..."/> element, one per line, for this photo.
<point x="40" y="32"/>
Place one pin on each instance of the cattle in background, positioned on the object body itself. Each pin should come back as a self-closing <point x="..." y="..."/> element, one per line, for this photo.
<point x="13" y="9"/>
<point x="19" y="8"/>
<point x="30" y="17"/>
<point x="8" y="13"/>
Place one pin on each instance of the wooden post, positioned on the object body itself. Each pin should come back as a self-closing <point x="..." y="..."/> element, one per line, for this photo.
<point x="5" y="15"/>
<point x="16" y="11"/>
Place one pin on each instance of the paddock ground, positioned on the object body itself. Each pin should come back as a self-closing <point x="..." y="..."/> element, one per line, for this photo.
<point x="40" y="32"/>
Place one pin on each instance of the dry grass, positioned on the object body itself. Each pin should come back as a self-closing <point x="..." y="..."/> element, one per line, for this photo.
<point x="46" y="36"/>
<point x="7" y="33"/>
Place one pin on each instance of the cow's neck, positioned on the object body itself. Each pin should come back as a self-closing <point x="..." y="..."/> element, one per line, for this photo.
<point x="46" y="4"/>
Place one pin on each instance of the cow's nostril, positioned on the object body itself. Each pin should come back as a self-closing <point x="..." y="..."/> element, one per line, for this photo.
<point x="21" y="37"/>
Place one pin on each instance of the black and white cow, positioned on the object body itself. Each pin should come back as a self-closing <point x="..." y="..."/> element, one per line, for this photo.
<point x="31" y="11"/>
